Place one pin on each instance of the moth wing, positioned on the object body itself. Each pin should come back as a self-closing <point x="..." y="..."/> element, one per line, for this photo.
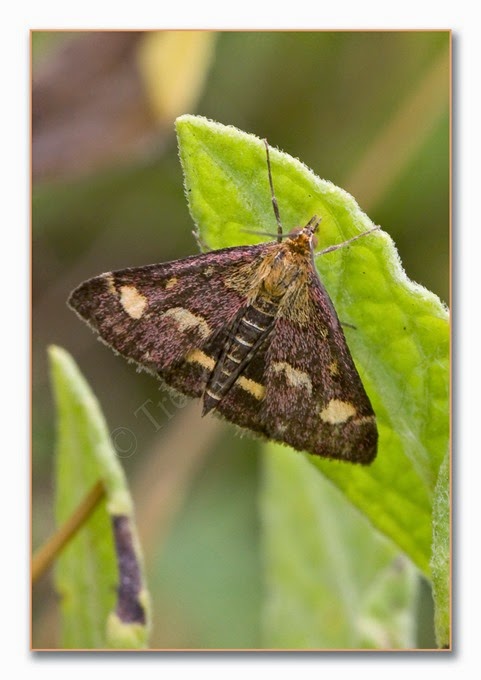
<point x="315" y="400"/>
<point x="157" y="314"/>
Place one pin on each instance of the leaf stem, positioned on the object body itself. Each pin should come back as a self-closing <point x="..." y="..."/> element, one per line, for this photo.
<point x="47" y="553"/>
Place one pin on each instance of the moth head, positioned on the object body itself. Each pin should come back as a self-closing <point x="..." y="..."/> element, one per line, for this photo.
<point x="304" y="238"/>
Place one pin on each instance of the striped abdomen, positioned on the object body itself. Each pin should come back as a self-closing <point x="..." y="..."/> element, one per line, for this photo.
<point x="243" y="340"/>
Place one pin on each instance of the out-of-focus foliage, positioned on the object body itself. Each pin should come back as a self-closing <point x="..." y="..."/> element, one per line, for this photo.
<point x="332" y="581"/>
<point x="99" y="557"/>
<point x="327" y="98"/>
<point x="106" y="99"/>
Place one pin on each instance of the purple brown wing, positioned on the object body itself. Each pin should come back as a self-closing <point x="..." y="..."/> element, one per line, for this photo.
<point x="324" y="408"/>
<point x="157" y="315"/>
<point x="303" y="389"/>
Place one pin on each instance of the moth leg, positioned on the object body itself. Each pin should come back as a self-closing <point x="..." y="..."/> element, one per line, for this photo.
<point x="348" y="325"/>
<point x="203" y="247"/>
<point x="345" y="243"/>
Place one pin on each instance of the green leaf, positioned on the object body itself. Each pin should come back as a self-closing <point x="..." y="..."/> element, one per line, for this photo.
<point x="400" y="342"/>
<point x="333" y="582"/>
<point x="440" y="559"/>
<point x="87" y="572"/>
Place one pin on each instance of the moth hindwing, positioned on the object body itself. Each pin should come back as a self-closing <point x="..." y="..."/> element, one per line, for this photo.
<point x="252" y="331"/>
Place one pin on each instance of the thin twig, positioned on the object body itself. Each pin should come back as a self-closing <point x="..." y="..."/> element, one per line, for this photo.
<point x="48" y="552"/>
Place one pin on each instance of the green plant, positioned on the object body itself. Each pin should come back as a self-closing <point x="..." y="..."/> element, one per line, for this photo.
<point x="340" y="563"/>
<point x="104" y="556"/>
<point x="400" y="342"/>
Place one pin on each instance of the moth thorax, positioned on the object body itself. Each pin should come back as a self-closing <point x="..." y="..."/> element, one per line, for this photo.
<point x="283" y="272"/>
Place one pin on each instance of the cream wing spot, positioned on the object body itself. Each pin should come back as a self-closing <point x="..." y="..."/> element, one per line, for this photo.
<point x="133" y="302"/>
<point x="256" y="389"/>
<point x="197" y="356"/>
<point x="208" y="271"/>
<point x="171" y="283"/>
<point x="324" y="332"/>
<point x="295" y="377"/>
<point x="185" y="320"/>
<point x="109" y="280"/>
<point x="333" y="368"/>
<point x="337" y="411"/>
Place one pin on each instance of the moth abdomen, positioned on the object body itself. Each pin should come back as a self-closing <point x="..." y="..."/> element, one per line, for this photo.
<point x="244" y="338"/>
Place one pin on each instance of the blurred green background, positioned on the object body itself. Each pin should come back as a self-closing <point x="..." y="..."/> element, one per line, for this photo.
<point x="367" y="110"/>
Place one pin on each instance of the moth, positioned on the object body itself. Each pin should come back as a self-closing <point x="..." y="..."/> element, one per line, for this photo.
<point x="250" y="330"/>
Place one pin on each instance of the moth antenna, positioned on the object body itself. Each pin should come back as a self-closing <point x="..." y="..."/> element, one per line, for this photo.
<point x="264" y="233"/>
<point x="203" y="247"/>
<point x="273" y="196"/>
<point x="348" y="325"/>
<point x="345" y="243"/>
